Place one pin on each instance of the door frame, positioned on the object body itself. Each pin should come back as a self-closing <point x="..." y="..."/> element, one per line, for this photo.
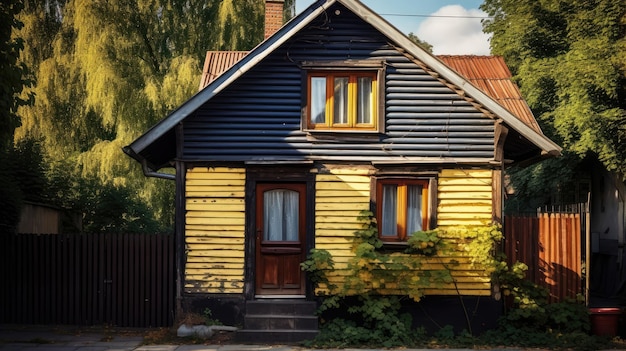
<point x="255" y="175"/>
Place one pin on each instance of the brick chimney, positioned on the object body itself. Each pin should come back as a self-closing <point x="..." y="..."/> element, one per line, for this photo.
<point x="273" y="16"/>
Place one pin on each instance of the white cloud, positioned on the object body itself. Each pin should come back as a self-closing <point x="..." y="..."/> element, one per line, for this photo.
<point x="459" y="34"/>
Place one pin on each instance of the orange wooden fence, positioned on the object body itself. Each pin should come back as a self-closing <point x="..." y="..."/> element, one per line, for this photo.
<point x="551" y="244"/>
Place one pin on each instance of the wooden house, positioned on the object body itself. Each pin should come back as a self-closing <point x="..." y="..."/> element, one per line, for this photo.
<point x="335" y="113"/>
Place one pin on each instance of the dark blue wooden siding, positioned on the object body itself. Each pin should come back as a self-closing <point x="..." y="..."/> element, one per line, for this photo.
<point x="258" y="117"/>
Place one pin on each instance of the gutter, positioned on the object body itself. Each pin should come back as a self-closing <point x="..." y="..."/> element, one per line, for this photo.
<point x="144" y="165"/>
<point x="150" y="173"/>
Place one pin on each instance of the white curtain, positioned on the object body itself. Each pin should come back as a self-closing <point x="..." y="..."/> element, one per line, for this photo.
<point x="318" y="100"/>
<point x="389" y="226"/>
<point x="341" y="100"/>
<point x="414" y="209"/>
<point x="280" y="215"/>
<point x="364" y="104"/>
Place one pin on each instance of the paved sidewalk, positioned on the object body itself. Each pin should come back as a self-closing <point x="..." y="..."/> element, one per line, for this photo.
<point x="42" y="338"/>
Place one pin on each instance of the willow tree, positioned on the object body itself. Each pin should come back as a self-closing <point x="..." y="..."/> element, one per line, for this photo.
<point x="569" y="58"/>
<point x="106" y="71"/>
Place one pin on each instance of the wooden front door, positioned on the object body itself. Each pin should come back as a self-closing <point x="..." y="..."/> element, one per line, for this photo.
<point x="280" y="238"/>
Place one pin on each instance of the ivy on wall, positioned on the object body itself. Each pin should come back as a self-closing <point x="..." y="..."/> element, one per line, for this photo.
<point x="377" y="279"/>
<point x="377" y="270"/>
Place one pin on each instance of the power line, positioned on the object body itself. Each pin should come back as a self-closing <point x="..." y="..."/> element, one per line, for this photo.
<point x="439" y="16"/>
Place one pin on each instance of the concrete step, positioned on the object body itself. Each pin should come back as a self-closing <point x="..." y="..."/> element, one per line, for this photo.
<point x="278" y="320"/>
<point x="281" y="307"/>
<point x="274" y="336"/>
<point x="272" y="321"/>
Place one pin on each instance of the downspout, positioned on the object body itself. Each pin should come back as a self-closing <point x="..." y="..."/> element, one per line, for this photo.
<point x="179" y="225"/>
<point x="149" y="173"/>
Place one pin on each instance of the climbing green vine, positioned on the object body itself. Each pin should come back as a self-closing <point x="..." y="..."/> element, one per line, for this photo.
<point x="376" y="279"/>
<point x="376" y="271"/>
<point x="372" y="286"/>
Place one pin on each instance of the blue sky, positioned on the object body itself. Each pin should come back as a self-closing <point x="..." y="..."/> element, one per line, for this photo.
<point x="451" y="26"/>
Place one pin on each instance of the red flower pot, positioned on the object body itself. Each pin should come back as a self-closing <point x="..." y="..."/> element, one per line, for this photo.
<point x="605" y="320"/>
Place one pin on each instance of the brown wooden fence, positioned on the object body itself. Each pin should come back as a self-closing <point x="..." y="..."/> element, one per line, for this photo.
<point x="551" y="244"/>
<point x="115" y="279"/>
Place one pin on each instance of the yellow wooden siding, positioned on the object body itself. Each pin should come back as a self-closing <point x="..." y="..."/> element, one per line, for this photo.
<point x="464" y="198"/>
<point x="339" y="198"/>
<point x="215" y="230"/>
<point x="215" y="223"/>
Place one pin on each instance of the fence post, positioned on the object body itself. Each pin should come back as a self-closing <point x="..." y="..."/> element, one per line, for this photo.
<point x="587" y="248"/>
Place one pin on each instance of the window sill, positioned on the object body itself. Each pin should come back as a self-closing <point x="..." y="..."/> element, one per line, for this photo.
<point x="343" y="136"/>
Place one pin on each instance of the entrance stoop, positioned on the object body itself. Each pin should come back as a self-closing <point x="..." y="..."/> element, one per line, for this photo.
<point x="278" y="320"/>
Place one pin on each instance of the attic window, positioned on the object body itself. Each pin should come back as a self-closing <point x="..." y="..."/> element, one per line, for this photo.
<point x="343" y="97"/>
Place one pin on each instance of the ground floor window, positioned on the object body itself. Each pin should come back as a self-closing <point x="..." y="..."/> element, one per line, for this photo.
<point x="402" y="207"/>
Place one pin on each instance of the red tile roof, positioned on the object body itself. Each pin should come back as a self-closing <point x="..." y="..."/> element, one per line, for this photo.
<point x="488" y="73"/>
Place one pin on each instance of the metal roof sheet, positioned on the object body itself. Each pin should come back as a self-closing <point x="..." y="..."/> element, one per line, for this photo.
<point x="218" y="62"/>
<point x="491" y="75"/>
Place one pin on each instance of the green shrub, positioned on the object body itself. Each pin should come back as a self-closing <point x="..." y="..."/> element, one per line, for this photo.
<point x="358" y="313"/>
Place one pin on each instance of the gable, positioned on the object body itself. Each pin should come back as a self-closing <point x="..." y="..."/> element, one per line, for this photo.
<point x="258" y="118"/>
<point x="305" y="38"/>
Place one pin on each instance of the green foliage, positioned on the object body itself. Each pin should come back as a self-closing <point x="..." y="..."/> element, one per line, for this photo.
<point x="536" y="184"/>
<point x="375" y="319"/>
<point x="208" y="318"/>
<point x="105" y="72"/>
<point x="529" y="299"/>
<point x="375" y="281"/>
<point x="568" y="58"/>
<point x="368" y="234"/>
<point x="22" y="178"/>
<point x="421" y="43"/>
<point x="10" y="196"/>
<point x="105" y="208"/>
<point x="425" y="242"/>
<point x="445" y="334"/>
<point x="316" y="265"/>
<point x="569" y="316"/>
<point x="372" y="271"/>
<point x="29" y="168"/>
<point x="531" y="310"/>
<point x="14" y="75"/>
<point x="479" y="242"/>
